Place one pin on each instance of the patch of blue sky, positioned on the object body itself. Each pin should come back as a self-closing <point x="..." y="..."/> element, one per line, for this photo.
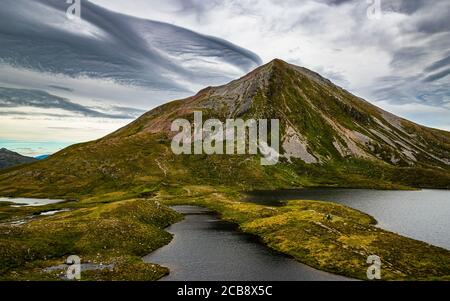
<point x="33" y="148"/>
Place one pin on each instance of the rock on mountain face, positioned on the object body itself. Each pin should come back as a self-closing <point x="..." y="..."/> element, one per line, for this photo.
<point x="10" y="159"/>
<point x="329" y="137"/>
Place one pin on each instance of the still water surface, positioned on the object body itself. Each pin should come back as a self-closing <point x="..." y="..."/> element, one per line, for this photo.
<point x="423" y="215"/>
<point x="30" y="202"/>
<point x="206" y="248"/>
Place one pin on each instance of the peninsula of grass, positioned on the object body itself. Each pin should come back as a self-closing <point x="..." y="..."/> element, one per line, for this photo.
<point x="115" y="234"/>
<point x="339" y="245"/>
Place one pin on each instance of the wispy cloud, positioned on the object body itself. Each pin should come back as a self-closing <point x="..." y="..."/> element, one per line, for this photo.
<point x="108" y="45"/>
<point x="25" y="98"/>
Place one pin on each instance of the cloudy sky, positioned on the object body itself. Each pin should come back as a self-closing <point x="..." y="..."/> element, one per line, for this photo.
<point x="65" y="81"/>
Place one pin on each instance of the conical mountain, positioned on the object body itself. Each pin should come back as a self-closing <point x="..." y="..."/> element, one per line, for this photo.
<point x="329" y="137"/>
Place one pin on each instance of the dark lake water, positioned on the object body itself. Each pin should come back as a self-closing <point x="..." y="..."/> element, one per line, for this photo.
<point x="422" y="215"/>
<point x="206" y="248"/>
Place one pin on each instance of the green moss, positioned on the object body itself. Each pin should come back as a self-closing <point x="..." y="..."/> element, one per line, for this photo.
<point x="117" y="233"/>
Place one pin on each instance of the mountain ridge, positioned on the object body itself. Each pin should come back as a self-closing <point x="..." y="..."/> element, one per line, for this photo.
<point x="208" y="99"/>
<point x="10" y="159"/>
<point x="329" y="137"/>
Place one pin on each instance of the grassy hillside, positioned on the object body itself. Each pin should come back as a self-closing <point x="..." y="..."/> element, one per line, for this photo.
<point x="329" y="138"/>
<point x="147" y="163"/>
<point x="101" y="231"/>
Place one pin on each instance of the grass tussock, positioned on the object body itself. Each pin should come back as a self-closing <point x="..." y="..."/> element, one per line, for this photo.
<point x="117" y="233"/>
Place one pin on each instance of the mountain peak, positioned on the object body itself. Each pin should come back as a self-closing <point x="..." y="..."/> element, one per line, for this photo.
<point x="278" y="68"/>
<point x="327" y="137"/>
<point x="320" y="121"/>
<point x="278" y="62"/>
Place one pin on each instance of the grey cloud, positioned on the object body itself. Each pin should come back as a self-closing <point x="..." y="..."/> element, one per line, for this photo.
<point x="436" y="76"/>
<point x="412" y="89"/>
<point x="439" y="64"/>
<point x="125" y="111"/>
<point x="419" y="76"/>
<point x="30" y="115"/>
<point x="61" y="88"/>
<point x="14" y="98"/>
<point x="426" y="17"/>
<point x="336" y="77"/>
<point x="403" y="90"/>
<point x="390" y="88"/>
<point x="126" y="49"/>
<point x="335" y="2"/>
<point x="131" y="111"/>
<point x="200" y="9"/>
<point x="404" y="6"/>
<point x="408" y="55"/>
<point x="440" y="23"/>
<point x="197" y="7"/>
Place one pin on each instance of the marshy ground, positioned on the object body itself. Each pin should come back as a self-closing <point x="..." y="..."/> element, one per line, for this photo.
<point x="118" y="229"/>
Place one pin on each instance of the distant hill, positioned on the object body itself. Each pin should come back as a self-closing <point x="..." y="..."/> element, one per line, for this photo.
<point x="9" y="159"/>
<point x="42" y="157"/>
<point x="329" y="137"/>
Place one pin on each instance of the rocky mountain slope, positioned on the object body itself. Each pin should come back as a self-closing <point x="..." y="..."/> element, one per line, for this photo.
<point x="329" y="137"/>
<point x="9" y="159"/>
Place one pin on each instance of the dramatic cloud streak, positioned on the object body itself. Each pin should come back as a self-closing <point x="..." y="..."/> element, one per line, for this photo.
<point x="24" y="98"/>
<point x="107" y="45"/>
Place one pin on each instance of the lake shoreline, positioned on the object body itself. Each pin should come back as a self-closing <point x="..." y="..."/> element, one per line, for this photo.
<point x="250" y="258"/>
<point x="419" y="214"/>
<point x="251" y="219"/>
<point x="339" y="246"/>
